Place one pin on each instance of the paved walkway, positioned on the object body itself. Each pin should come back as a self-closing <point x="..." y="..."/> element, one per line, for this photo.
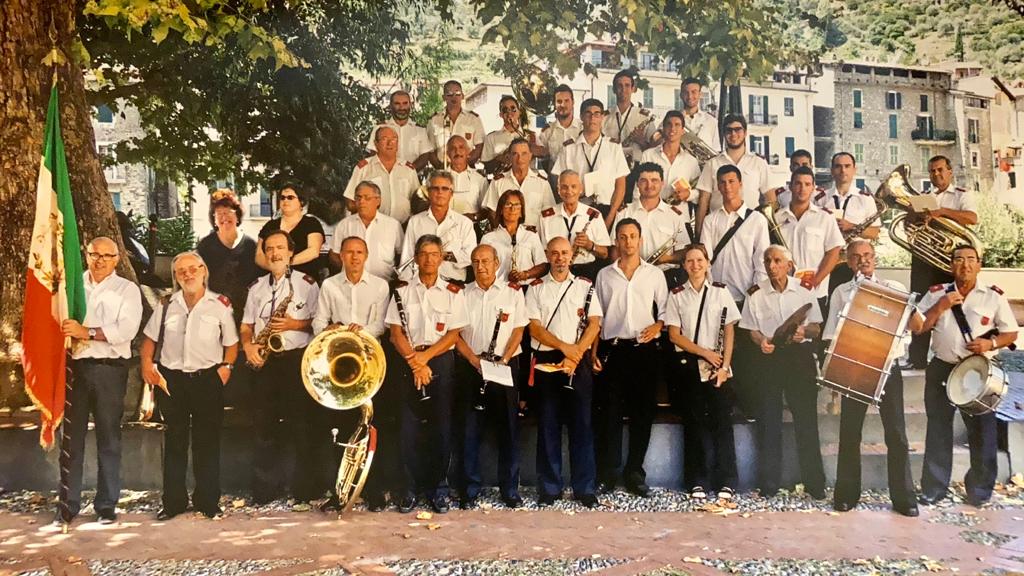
<point x="959" y="537"/>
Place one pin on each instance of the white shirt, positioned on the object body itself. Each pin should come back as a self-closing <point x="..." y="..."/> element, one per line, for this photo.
<point x="383" y="239"/>
<point x="604" y="159"/>
<point x="113" y="305"/>
<point x="430" y="312"/>
<point x="457" y="234"/>
<point x="985" y="308"/>
<point x="956" y="198"/>
<point x="628" y="302"/>
<point x="684" y="306"/>
<point x="856" y="206"/>
<point x="657" y="226"/>
<point x="343" y="302"/>
<point x="536" y="192"/>
<point x="842" y="294"/>
<point x="684" y="167"/>
<point x="468" y="191"/>
<point x="396" y="187"/>
<point x="766" y="309"/>
<point x="528" y="251"/>
<point x="705" y="125"/>
<point x="562" y="321"/>
<point x="557" y="222"/>
<point x="498" y="141"/>
<point x="412" y="140"/>
<point x="266" y="294"/>
<point x="755" y="178"/>
<point x="619" y="125"/>
<point x="485" y="308"/>
<point x="808" y="238"/>
<point x="554" y="137"/>
<point x="740" y="264"/>
<point x="467" y="124"/>
<point x="194" y="340"/>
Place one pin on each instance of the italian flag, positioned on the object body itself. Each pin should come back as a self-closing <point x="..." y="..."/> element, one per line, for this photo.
<point x="54" y="287"/>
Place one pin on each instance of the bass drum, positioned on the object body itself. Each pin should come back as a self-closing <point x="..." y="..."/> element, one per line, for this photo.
<point x="869" y="338"/>
<point x="976" y="385"/>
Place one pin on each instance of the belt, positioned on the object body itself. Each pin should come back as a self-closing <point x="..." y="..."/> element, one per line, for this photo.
<point x="195" y="373"/>
<point x="421" y="347"/>
<point x="625" y="342"/>
<point x="118" y="362"/>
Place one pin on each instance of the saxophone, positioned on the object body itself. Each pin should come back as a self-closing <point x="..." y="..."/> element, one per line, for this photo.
<point x="268" y="341"/>
<point x="706" y="369"/>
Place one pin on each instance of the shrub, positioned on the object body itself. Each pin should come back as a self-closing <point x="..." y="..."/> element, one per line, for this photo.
<point x="174" y="235"/>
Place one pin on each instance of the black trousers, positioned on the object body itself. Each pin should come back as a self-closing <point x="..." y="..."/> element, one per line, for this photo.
<point x="938" y="447"/>
<point x="789" y="372"/>
<point x="628" y="385"/>
<point x="500" y="410"/>
<point x="285" y="415"/>
<point x="426" y="431"/>
<point x="558" y="405"/>
<point x="709" y="450"/>
<point x="851" y="424"/>
<point x="193" y="414"/>
<point x="98" y="389"/>
<point x="923" y="276"/>
<point x="385" y="471"/>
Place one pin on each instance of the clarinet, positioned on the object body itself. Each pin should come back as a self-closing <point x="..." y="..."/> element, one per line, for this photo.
<point x="706" y="369"/>
<point x="405" y="330"/>
<point x="491" y="357"/>
<point x="580" y="328"/>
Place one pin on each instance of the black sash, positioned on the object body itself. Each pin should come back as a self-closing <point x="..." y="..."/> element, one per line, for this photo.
<point x="727" y="236"/>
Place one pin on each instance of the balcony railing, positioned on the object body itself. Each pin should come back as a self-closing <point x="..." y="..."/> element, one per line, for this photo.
<point x="763" y="119"/>
<point x="933" y="135"/>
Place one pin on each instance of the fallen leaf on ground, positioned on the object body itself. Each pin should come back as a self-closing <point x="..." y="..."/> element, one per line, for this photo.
<point x="693" y="560"/>
<point x="424" y="515"/>
<point x="238" y="503"/>
<point x="433" y="526"/>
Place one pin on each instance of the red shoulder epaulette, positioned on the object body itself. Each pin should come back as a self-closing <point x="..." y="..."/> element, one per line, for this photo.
<point x="401" y="284"/>
<point x="253" y="283"/>
<point x="937" y="287"/>
<point x="864" y="192"/>
<point x="645" y="112"/>
<point x="996" y="289"/>
<point x="537" y="282"/>
<point x="224" y="300"/>
<point x="959" y="189"/>
<point x="719" y="285"/>
<point x="752" y="289"/>
<point x="410" y="165"/>
<point x="514" y="285"/>
<point x="530" y="227"/>
<point x="547" y="212"/>
<point x="362" y="163"/>
<point x="473" y="113"/>
<point x="593" y="212"/>
<point x="819" y="188"/>
<point x="780" y="189"/>
<point x="819" y="195"/>
<point x="499" y="176"/>
<point x="679" y="288"/>
<point x="677" y="210"/>
<point x="568" y="143"/>
<point x="454" y="287"/>
<point x="309" y="278"/>
<point x="826" y="209"/>
<point x="585" y="279"/>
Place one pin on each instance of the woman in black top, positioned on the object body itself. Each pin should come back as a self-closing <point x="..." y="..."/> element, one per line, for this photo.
<point x="304" y="229"/>
<point x="229" y="254"/>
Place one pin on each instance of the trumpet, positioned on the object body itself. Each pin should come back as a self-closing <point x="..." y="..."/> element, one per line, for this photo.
<point x="662" y="250"/>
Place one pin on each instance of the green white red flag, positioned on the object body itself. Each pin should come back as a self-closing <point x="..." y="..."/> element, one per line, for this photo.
<point x="54" y="287"/>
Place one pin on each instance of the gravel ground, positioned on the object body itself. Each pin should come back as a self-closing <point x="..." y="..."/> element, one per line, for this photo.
<point x="986" y="538"/>
<point x="860" y="567"/>
<point x="176" y="567"/>
<point x="1013" y="360"/>
<point x="661" y="500"/>
<point x="558" y="567"/>
<point x="964" y="519"/>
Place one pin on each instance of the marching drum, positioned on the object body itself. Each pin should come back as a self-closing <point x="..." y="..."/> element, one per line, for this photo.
<point x="869" y="338"/>
<point x="976" y="385"/>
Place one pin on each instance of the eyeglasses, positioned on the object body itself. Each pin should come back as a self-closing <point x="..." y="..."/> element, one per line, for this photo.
<point x="592" y="113"/>
<point x="101" y="257"/>
<point x="453" y="94"/>
<point x="513" y="205"/>
<point x="289" y="197"/>
<point x="732" y="129"/>
<point x="189" y="270"/>
<point x="963" y="259"/>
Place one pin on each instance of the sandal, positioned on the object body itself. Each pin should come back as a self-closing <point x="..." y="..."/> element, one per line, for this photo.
<point x="698" y="493"/>
<point x="725" y="493"/>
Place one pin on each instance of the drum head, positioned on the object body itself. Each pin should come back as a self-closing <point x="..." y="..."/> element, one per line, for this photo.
<point x="968" y="380"/>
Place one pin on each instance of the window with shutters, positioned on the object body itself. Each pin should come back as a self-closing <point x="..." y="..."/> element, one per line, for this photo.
<point x="893" y="100"/>
<point x="924" y="103"/>
<point x="649" y="98"/>
<point x="790" y="146"/>
<point x="858" y="120"/>
<point x="894" y="121"/>
<point x="787" y="104"/>
<point x="858" y="99"/>
<point x="677" y="100"/>
<point x="858" y="153"/>
<point x="973" y="130"/>
<point x="611" y="99"/>
<point x="894" y="154"/>
<point x="104" y="115"/>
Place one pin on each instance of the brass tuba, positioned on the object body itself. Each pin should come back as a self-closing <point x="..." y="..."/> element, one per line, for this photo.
<point x="933" y="240"/>
<point x="774" y="230"/>
<point x="342" y="369"/>
<point x="697" y="147"/>
<point x="534" y="88"/>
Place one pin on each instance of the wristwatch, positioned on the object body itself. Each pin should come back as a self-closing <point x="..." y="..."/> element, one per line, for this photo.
<point x="92" y="333"/>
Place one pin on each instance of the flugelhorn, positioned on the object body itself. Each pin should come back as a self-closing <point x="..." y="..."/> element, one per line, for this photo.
<point x="342" y="369"/>
<point x="930" y="239"/>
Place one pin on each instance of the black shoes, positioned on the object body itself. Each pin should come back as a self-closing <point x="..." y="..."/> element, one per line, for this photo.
<point x="407" y="504"/>
<point x="842" y="506"/>
<point x="106" y="516"/>
<point x="909" y="510"/>
<point x="467" y="503"/>
<point x="546" y="500"/>
<point x="439" y="504"/>
<point x="332" y="504"/>
<point x="605" y="487"/>
<point x="817" y="493"/>
<point x="931" y="500"/>
<point x="640" y="489"/>
<point x="213" y="513"/>
<point x="165" y="514"/>
<point x="376" y="504"/>
<point x="512" y="502"/>
<point x="589" y="500"/>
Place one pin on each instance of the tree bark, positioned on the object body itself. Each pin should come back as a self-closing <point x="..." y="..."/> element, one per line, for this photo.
<point x="24" y="94"/>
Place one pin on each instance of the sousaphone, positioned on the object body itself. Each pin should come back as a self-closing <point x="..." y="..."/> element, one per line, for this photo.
<point x="342" y="369"/>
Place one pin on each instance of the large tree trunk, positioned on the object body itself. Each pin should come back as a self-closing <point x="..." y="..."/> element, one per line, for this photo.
<point x="24" y="94"/>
